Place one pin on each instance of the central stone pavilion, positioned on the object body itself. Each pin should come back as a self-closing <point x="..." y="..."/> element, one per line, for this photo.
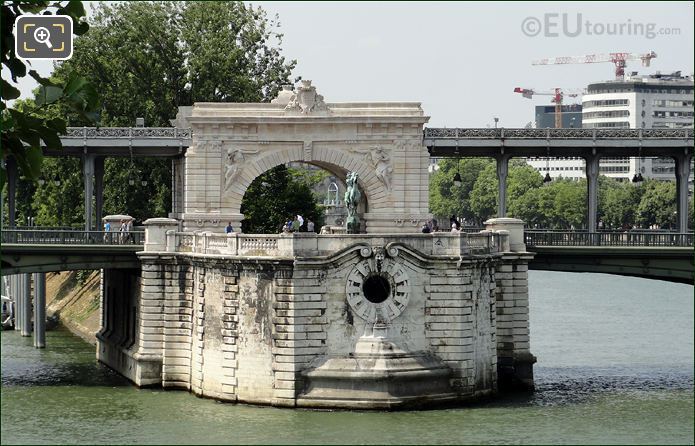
<point x="385" y="319"/>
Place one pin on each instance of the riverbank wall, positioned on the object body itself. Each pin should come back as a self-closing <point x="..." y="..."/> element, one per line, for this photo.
<point x="74" y="300"/>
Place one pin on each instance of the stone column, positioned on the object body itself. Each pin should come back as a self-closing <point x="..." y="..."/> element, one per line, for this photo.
<point x="682" y="176"/>
<point x="40" y="310"/>
<point x="98" y="192"/>
<point x="26" y="303"/>
<point x="14" y="292"/>
<point x="88" y="174"/>
<point x="11" y="169"/>
<point x="592" y="168"/>
<point x="502" y="171"/>
<point x="514" y="358"/>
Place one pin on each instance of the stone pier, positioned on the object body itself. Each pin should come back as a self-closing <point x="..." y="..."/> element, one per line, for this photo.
<point x="295" y="320"/>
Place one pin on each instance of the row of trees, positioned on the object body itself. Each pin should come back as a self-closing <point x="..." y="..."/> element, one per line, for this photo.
<point x="145" y="59"/>
<point x="558" y="204"/>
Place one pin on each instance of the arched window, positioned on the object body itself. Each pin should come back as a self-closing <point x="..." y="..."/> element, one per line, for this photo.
<point x="332" y="197"/>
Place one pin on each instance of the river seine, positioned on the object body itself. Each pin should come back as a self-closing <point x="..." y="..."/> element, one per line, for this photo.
<point x="615" y="365"/>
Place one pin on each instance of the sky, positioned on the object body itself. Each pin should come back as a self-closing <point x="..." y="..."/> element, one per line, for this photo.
<point x="462" y="61"/>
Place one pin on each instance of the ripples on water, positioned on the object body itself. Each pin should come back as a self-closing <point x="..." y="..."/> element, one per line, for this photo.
<point x="615" y="365"/>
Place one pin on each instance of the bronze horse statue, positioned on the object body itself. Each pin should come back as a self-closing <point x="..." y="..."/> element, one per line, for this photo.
<point x="352" y="200"/>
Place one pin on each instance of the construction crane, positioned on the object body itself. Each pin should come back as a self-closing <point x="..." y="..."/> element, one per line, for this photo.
<point x="618" y="59"/>
<point x="557" y="95"/>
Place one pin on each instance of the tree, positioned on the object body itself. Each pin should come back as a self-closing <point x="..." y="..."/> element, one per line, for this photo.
<point x="618" y="203"/>
<point x="275" y="196"/>
<point x="25" y="130"/>
<point x="658" y="204"/>
<point x="536" y="207"/>
<point x="148" y="58"/>
<point x="60" y="204"/>
<point x="570" y="203"/>
<point x="447" y="199"/>
<point x="521" y="179"/>
<point x="483" y="197"/>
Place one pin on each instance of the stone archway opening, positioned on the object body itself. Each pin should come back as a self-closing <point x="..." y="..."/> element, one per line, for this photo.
<point x="314" y="190"/>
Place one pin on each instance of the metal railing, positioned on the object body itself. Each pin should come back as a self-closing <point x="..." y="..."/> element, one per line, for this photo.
<point x="484" y="133"/>
<point x="128" y="132"/>
<point x="607" y="238"/>
<point x="71" y="237"/>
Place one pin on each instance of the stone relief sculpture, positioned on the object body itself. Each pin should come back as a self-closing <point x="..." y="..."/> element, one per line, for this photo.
<point x="233" y="164"/>
<point x="382" y="166"/>
<point x="352" y="200"/>
<point x="306" y="100"/>
<point x="380" y="160"/>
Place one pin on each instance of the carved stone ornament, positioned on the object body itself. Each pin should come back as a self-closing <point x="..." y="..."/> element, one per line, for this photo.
<point x="233" y="164"/>
<point x="306" y="100"/>
<point x="403" y="145"/>
<point x="380" y="160"/>
<point x="381" y="264"/>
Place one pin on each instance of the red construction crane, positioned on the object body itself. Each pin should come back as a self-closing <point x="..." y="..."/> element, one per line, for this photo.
<point x="557" y="95"/>
<point x="618" y="59"/>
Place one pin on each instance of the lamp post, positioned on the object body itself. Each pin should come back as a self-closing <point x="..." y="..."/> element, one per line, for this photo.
<point x="457" y="178"/>
<point x="56" y="183"/>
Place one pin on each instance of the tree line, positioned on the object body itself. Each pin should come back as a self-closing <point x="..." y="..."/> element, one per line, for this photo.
<point x="559" y="204"/>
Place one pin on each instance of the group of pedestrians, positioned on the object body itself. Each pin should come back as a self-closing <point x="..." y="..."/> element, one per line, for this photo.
<point x="433" y="226"/>
<point x="124" y="232"/>
<point x="296" y="223"/>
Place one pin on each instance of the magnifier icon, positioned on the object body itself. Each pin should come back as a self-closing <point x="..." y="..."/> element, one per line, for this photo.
<point x="42" y="35"/>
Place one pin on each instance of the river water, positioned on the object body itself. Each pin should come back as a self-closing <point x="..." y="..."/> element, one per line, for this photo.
<point x="615" y="365"/>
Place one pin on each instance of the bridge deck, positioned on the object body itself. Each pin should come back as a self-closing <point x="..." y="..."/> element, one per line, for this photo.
<point x="557" y="142"/>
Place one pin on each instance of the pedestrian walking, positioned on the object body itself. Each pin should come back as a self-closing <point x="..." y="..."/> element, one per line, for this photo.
<point x="128" y="231"/>
<point x="122" y="232"/>
<point x="229" y="229"/>
<point x="310" y="226"/>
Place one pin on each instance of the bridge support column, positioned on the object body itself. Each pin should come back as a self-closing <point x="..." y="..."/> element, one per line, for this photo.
<point x="88" y="173"/>
<point x="682" y="176"/>
<point x="40" y="310"/>
<point x="14" y="292"/>
<point x="177" y="178"/>
<point x="592" y="168"/>
<point x="98" y="192"/>
<point x="11" y="169"/>
<point x="26" y="303"/>
<point x="514" y="358"/>
<point x="502" y="171"/>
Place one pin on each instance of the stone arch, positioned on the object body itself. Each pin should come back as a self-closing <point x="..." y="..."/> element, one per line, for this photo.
<point x="335" y="161"/>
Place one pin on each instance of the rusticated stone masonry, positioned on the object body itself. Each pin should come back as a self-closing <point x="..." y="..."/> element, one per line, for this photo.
<point x="178" y="322"/>
<point x="460" y="325"/>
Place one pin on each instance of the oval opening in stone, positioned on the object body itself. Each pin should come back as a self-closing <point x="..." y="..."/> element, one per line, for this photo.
<point x="376" y="289"/>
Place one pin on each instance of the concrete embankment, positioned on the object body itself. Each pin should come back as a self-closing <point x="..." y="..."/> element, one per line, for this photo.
<point x="75" y="302"/>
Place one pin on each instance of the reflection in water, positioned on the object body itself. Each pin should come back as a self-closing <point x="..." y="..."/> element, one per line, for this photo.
<point x="615" y="359"/>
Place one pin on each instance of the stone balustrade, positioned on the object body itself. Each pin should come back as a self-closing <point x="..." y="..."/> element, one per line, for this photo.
<point x="305" y="244"/>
